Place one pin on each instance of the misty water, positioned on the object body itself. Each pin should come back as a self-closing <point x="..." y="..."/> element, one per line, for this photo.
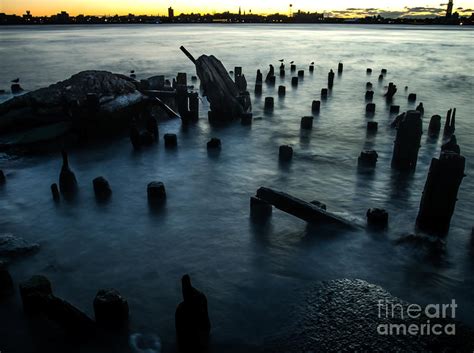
<point x="252" y="274"/>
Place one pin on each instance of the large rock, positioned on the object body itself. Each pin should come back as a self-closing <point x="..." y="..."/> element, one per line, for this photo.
<point x="93" y="99"/>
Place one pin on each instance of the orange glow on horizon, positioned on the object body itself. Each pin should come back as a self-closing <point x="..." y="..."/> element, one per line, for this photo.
<point x="159" y="7"/>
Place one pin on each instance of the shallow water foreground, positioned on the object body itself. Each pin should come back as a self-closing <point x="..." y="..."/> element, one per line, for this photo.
<point x="251" y="274"/>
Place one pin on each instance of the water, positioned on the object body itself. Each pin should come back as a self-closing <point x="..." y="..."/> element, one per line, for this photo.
<point x="251" y="274"/>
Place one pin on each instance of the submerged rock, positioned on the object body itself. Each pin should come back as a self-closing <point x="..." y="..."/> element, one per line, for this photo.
<point x="344" y="316"/>
<point x="12" y="247"/>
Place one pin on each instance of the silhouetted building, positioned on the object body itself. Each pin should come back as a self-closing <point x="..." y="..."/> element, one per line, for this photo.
<point x="449" y="10"/>
<point x="28" y="17"/>
<point x="170" y="12"/>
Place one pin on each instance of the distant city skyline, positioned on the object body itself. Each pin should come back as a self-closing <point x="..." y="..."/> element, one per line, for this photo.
<point x="339" y="8"/>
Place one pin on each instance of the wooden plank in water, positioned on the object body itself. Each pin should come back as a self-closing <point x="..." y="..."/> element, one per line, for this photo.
<point x="301" y="209"/>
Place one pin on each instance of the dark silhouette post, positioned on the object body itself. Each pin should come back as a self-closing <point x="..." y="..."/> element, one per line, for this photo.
<point x="192" y="319"/>
<point x="440" y="191"/>
<point x="407" y="142"/>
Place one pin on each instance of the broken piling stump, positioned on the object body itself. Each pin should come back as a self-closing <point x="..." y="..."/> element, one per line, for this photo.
<point x="260" y="209"/>
<point x="450" y="123"/>
<point x="111" y="309"/>
<point x="372" y="126"/>
<point x="192" y="319"/>
<point x="324" y="93"/>
<point x="377" y="217"/>
<point x="301" y="73"/>
<point x="294" y="81"/>
<point x="440" y="192"/>
<point x="67" y="179"/>
<point x="435" y="126"/>
<point x="330" y="79"/>
<point x="368" y="158"/>
<point x="340" y="68"/>
<point x="269" y="103"/>
<point x="258" y="88"/>
<point x="307" y="122"/>
<point x="368" y="71"/>
<point x="171" y="140"/>
<point x="369" y="95"/>
<point x="315" y="106"/>
<point x="55" y="192"/>
<point x="412" y="97"/>
<point x="281" y="91"/>
<point x="407" y="141"/>
<point x="370" y="108"/>
<point x="299" y="208"/>
<point x="285" y="153"/>
<point x="102" y="188"/>
<point x="156" y="191"/>
<point x="214" y="143"/>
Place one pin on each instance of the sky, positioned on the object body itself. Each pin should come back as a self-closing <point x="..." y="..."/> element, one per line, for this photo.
<point x="342" y="8"/>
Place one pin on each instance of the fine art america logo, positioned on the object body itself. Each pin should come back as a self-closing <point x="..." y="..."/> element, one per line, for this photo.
<point x="418" y="319"/>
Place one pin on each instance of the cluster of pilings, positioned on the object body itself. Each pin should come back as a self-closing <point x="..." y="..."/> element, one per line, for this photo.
<point x="111" y="312"/>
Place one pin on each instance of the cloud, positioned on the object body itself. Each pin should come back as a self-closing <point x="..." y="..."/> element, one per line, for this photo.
<point x="409" y="12"/>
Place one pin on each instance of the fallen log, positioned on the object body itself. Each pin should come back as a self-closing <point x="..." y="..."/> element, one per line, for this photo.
<point x="301" y="209"/>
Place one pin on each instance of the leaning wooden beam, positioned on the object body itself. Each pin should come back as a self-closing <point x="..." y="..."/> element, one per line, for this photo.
<point x="171" y="113"/>
<point x="299" y="208"/>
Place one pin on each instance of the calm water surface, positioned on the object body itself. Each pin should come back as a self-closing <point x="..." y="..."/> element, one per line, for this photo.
<point x="251" y="274"/>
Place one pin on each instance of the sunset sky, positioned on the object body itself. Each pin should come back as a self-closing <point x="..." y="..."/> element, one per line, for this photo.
<point x="154" y="7"/>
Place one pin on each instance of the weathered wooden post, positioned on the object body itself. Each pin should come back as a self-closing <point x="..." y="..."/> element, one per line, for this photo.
<point x="171" y="140"/>
<point x="340" y="68"/>
<point x="193" y="107"/>
<point x="285" y="153"/>
<point x="407" y="142"/>
<point x="412" y="97"/>
<point x="214" y="143"/>
<point x="370" y="108"/>
<point x="293" y="68"/>
<point x="380" y="77"/>
<point x="294" y="81"/>
<point x="237" y="71"/>
<point x="102" y="188"/>
<point x="311" y="68"/>
<point x="259" y="78"/>
<point x="156" y="192"/>
<point x="372" y="126"/>
<point x="282" y="72"/>
<point x="301" y="73"/>
<point x="269" y="103"/>
<point x="67" y="179"/>
<point x="55" y="192"/>
<point x="324" y="93"/>
<point x="435" y="126"/>
<point x="270" y="79"/>
<point x="330" y="79"/>
<point x="369" y="71"/>
<point x="192" y="319"/>
<point x="316" y="106"/>
<point x="440" y="192"/>
<point x="307" y="122"/>
<point x="368" y="85"/>
<point x="258" y="89"/>
<point x="111" y="309"/>
<point x="383" y="72"/>
<point x="260" y="210"/>
<point x="368" y="158"/>
<point x="392" y="89"/>
<point x="369" y="95"/>
<point x="421" y="108"/>
<point x="281" y="91"/>
<point x="451" y="145"/>
<point x="450" y="123"/>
